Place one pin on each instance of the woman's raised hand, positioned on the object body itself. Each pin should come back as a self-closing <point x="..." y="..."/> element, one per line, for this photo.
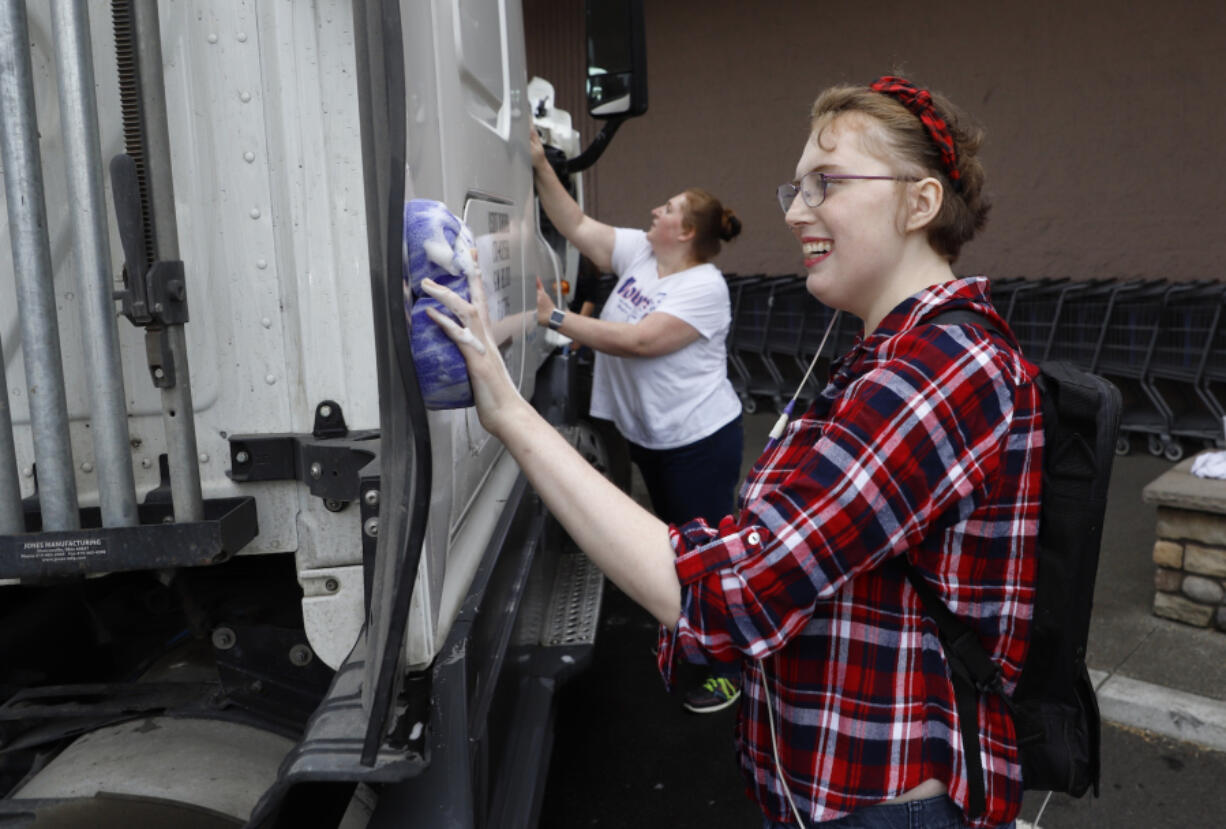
<point x="544" y="304"/>
<point x="493" y="390"/>
<point x="537" y="147"/>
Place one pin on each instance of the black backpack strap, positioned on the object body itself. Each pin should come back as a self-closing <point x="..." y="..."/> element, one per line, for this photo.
<point x="959" y="640"/>
<point x="968" y="714"/>
<point x="972" y="670"/>
<point x="973" y="673"/>
<point x="963" y="315"/>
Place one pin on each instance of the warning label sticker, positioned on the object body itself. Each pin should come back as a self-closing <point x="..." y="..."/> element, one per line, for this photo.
<point x="62" y="549"/>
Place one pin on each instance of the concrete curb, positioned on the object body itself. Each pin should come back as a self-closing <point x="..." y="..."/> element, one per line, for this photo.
<point x="1165" y="711"/>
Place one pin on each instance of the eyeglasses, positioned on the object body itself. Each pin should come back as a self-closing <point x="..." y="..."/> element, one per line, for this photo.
<point x="812" y="187"/>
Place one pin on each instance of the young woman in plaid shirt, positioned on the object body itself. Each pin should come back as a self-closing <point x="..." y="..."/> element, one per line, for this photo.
<point x="927" y="443"/>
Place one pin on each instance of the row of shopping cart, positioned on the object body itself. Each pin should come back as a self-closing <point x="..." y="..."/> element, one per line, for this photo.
<point x="1162" y="343"/>
<point x="777" y="328"/>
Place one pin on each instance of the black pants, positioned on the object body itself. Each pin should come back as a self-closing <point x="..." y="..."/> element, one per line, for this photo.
<point x="693" y="481"/>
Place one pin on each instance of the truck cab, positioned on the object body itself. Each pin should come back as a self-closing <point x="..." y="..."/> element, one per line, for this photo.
<point x="245" y="574"/>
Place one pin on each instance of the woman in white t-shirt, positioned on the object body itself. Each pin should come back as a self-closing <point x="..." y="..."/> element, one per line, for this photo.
<point x="661" y="373"/>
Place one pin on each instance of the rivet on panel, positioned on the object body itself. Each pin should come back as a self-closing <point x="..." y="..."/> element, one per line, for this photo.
<point x="204" y="457"/>
<point x="245" y="97"/>
<point x="212" y="38"/>
<point x="241" y="37"/>
<point x="87" y="467"/>
<point x="269" y="379"/>
<point x="261" y="263"/>
<point x="249" y="156"/>
<point x="145" y="463"/>
<point x="266" y="322"/>
<point x="255" y="213"/>
<point x="300" y="655"/>
<point x="28" y="472"/>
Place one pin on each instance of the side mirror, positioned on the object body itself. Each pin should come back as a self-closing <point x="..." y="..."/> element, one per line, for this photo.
<point x="616" y="59"/>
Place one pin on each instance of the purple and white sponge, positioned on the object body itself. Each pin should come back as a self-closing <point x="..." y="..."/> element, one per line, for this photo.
<point x="436" y="246"/>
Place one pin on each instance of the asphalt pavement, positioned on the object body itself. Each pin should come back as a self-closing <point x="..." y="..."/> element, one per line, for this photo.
<point x="627" y="755"/>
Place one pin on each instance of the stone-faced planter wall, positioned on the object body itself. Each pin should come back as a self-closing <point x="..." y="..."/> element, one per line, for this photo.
<point x="1190" y="551"/>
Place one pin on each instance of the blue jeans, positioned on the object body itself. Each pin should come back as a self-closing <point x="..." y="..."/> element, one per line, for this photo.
<point x="930" y="813"/>
<point x="693" y="481"/>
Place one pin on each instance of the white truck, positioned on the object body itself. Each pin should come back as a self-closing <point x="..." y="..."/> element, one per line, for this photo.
<point x="246" y="578"/>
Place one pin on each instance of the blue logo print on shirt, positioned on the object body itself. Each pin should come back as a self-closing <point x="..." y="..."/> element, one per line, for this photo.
<point x="637" y="298"/>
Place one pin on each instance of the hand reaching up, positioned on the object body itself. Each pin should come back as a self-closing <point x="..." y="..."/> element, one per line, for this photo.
<point x="493" y="389"/>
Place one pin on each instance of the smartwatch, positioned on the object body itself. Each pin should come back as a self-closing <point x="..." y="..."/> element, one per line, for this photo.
<point x="555" y="318"/>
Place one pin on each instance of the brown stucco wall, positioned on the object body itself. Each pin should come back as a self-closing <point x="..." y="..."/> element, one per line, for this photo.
<point x="1103" y="120"/>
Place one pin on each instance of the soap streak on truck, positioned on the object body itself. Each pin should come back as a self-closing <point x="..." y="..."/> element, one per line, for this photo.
<point x="245" y="577"/>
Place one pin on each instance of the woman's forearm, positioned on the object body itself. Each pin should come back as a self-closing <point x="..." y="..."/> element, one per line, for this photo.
<point x="593" y="239"/>
<point x="653" y="336"/>
<point x="617" y="339"/>
<point x="559" y="206"/>
<point x="628" y="543"/>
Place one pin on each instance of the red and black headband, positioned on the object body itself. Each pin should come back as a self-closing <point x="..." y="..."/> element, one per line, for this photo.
<point x="919" y="102"/>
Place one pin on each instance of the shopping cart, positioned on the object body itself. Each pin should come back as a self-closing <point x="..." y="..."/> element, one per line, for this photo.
<point x="1191" y="316"/>
<point x="1123" y="355"/>
<point x="1001" y="291"/>
<point x="846" y="332"/>
<point x="1031" y="309"/>
<point x="736" y="287"/>
<point x="1078" y="322"/>
<point x="817" y="318"/>
<point x="1212" y="375"/>
<point x="747" y="342"/>
<point x="786" y="334"/>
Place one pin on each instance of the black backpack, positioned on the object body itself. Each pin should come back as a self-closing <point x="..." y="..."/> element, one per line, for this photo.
<point x="1054" y="708"/>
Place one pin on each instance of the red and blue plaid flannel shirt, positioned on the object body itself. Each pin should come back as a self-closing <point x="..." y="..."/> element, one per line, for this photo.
<point x="926" y="443"/>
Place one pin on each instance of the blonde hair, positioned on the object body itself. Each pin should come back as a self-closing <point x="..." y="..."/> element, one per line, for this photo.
<point x="964" y="208"/>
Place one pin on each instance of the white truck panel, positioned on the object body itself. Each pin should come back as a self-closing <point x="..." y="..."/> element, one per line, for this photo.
<point x="268" y="178"/>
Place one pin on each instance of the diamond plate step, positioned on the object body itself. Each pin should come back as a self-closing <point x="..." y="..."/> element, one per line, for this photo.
<point x="574" y="605"/>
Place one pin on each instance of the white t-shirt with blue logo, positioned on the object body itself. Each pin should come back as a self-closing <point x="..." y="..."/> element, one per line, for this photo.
<point x="679" y="398"/>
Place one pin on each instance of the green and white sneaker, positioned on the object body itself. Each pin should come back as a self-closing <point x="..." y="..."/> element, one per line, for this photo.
<point x="716" y="694"/>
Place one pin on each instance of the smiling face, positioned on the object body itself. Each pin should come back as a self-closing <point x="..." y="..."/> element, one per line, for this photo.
<point x="854" y="241"/>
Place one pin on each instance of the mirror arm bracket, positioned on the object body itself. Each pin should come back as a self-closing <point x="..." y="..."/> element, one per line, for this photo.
<point x="594" y="150"/>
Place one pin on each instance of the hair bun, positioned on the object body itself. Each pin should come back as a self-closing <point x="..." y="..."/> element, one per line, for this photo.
<point x="730" y="226"/>
<point x="711" y="222"/>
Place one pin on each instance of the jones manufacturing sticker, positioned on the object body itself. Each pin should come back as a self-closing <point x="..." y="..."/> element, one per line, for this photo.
<point x="55" y="550"/>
